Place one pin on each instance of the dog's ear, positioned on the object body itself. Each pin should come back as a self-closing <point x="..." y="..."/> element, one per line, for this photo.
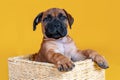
<point x="37" y="20"/>
<point x="70" y="18"/>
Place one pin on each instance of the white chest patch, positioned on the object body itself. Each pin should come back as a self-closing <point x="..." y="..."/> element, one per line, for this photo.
<point x="64" y="47"/>
<point x="60" y="48"/>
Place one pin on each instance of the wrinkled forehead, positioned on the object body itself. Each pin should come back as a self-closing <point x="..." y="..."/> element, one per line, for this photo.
<point x="54" y="12"/>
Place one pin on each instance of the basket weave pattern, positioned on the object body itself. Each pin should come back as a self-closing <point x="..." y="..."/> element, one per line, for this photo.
<point x="20" y="68"/>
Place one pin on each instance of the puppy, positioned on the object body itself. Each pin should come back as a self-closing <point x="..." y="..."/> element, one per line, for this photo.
<point x="57" y="46"/>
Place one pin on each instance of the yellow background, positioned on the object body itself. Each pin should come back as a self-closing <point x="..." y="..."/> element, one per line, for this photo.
<point x="96" y="26"/>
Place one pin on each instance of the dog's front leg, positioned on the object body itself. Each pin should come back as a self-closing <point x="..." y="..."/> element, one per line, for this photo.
<point x="62" y="63"/>
<point x="91" y="54"/>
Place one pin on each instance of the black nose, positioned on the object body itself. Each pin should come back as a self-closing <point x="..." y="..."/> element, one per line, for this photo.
<point x="56" y="23"/>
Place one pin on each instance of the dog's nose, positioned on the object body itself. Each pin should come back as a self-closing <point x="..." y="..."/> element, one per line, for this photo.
<point x="56" y="23"/>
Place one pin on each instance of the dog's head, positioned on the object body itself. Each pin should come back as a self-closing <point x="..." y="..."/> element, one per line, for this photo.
<point x="54" y="22"/>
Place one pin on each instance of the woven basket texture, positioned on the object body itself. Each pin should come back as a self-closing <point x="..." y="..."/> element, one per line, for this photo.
<point x="21" y="68"/>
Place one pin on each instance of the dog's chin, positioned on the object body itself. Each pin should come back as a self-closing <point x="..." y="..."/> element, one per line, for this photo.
<point x="55" y="36"/>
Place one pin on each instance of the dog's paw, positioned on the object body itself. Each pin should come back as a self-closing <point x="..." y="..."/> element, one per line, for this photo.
<point x="101" y="62"/>
<point x="65" y="65"/>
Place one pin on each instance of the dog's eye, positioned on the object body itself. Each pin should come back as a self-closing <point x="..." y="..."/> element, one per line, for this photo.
<point x="62" y="17"/>
<point x="48" y="18"/>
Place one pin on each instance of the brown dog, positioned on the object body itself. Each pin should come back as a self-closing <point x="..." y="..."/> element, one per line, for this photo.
<point x="57" y="47"/>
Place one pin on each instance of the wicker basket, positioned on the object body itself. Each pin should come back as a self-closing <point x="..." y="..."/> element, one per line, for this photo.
<point x="21" y="68"/>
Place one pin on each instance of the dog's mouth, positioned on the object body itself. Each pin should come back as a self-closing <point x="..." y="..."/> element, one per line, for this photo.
<point x="56" y="35"/>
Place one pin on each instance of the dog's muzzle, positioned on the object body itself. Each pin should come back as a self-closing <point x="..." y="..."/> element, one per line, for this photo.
<point x="55" y="29"/>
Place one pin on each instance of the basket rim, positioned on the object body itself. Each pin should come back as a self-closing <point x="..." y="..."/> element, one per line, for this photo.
<point x="24" y="58"/>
